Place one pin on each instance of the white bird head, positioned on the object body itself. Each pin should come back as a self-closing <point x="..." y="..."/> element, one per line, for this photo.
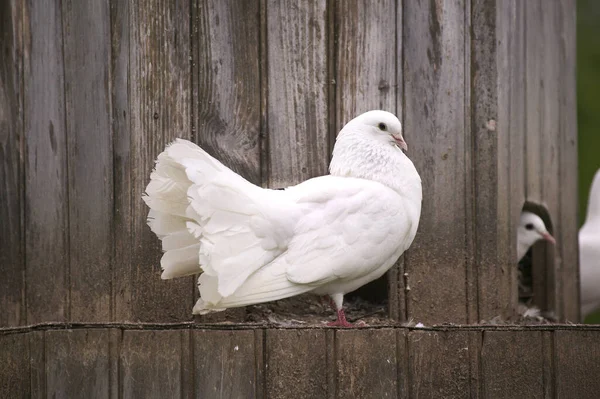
<point x="371" y="146"/>
<point x="531" y="229"/>
<point x="379" y="125"/>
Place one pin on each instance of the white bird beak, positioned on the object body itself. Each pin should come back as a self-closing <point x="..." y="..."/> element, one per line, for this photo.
<point x="548" y="237"/>
<point x="400" y="141"/>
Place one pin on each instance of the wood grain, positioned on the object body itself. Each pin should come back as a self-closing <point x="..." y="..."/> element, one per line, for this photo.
<point x="366" y="363"/>
<point x="14" y="366"/>
<point x="491" y="167"/>
<point x="439" y="364"/>
<point x="12" y="240"/>
<point x="77" y="364"/>
<point x="576" y="356"/>
<point x="301" y="372"/>
<point x="365" y="79"/>
<point x="46" y="194"/>
<point x="434" y="101"/>
<point x="122" y="159"/>
<point x="297" y="91"/>
<point x="224" y="364"/>
<point x="513" y="18"/>
<point x="150" y="364"/>
<point x="37" y="364"/>
<point x="513" y="364"/>
<point x="568" y="269"/>
<point x="534" y="68"/>
<point x="87" y="47"/>
<point x="227" y="104"/>
<point x="159" y="107"/>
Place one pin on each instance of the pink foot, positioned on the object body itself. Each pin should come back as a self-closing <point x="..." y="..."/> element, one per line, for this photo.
<point x="342" y="322"/>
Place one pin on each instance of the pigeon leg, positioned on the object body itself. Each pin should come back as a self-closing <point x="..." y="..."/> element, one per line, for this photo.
<point x="341" y="316"/>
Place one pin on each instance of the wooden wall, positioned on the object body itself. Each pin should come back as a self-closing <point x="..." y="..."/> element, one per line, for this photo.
<point x="158" y="361"/>
<point x="91" y="91"/>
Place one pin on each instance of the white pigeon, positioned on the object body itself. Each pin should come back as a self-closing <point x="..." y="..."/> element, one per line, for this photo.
<point x="531" y="229"/>
<point x="328" y="235"/>
<point x="589" y="252"/>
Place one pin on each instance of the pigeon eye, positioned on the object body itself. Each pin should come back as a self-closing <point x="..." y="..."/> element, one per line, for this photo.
<point x="529" y="226"/>
<point x="382" y="126"/>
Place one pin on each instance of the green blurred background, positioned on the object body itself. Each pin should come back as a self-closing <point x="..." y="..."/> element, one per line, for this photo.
<point x="588" y="102"/>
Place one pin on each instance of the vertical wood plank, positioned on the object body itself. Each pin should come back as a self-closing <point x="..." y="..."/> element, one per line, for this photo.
<point x="228" y="77"/>
<point x="534" y="67"/>
<point x="490" y="168"/>
<point x="365" y="79"/>
<point x="439" y="364"/>
<point x="87" y="46"/>
<point x="12" y="240"/>
<point x="296" y="364"/>
<point x="159" y="103"/>
<point x="434" y="100"/>
<point x="514" y="23"/>
<point x="365" y="59"/>
<point x="122" y="158"/>
<point x="227" y="116"/>
<point x="46" y="196"/>
<point x="366" y="363"/>
<point x="37" y="364"/>
<point x="15" y="366"/>
<point x="567" y="231"/>
<point x="297" y="91"/>
<point x="77" y="363"/>
<point x="550" y="141"/>
<point x="224" y="364"/>
<point x="114" y="346"/>
<point x="513" y="364"/>
<point x="576" y="367"/>
<point x="402" y="363"/>
<point x="151" y="364"/>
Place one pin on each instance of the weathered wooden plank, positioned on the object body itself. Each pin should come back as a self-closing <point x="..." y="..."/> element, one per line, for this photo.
<point x="365" y="59"/>
<point x="514" y="23"/>
<point x="150" y="363"/>
<point x="12" y="285"/>
<point x="366" y="363"/>
<point x="577" y="366"/>
<point x="46" y="196"/>
<point x="114" y="347"/>
<point x="534" y="69"/>
<point x="297" y="94"/>
<point x="434" y="100"/>
<point x="122" y="158"/>
<point x="295" y="364"/>
<point x="15" y="366"/>
<point x="37" y="364"/>
<point x="439" y="364"/>
<point x="567" y="225"/>
<point x="224" y="364"/>
<point x="228" y="94"/>
<point x="227" y="90"/>
<point x="77" y="363"/>
<point x="159" y="107"/>
<point x="550" y="141"/>
<point x="402" y="363"/>
<point x="87" y="47"/>
<point x="489" y="69"/>
<point x="513" y="364"/>
<point x="365" y="79"/>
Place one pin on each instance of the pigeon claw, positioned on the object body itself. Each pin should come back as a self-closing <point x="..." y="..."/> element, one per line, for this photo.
<point x="342" y="322"/>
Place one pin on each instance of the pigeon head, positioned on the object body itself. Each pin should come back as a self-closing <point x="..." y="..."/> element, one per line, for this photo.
<point x="531" y="229"/>
<point x="381" y="126"/>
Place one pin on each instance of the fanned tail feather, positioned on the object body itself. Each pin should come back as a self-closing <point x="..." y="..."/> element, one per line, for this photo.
<point x="209" y="220"/>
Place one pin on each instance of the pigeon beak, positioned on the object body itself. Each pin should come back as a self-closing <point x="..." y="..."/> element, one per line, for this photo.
<point x="548" y="237"/>
<point x="400" y="141"/>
